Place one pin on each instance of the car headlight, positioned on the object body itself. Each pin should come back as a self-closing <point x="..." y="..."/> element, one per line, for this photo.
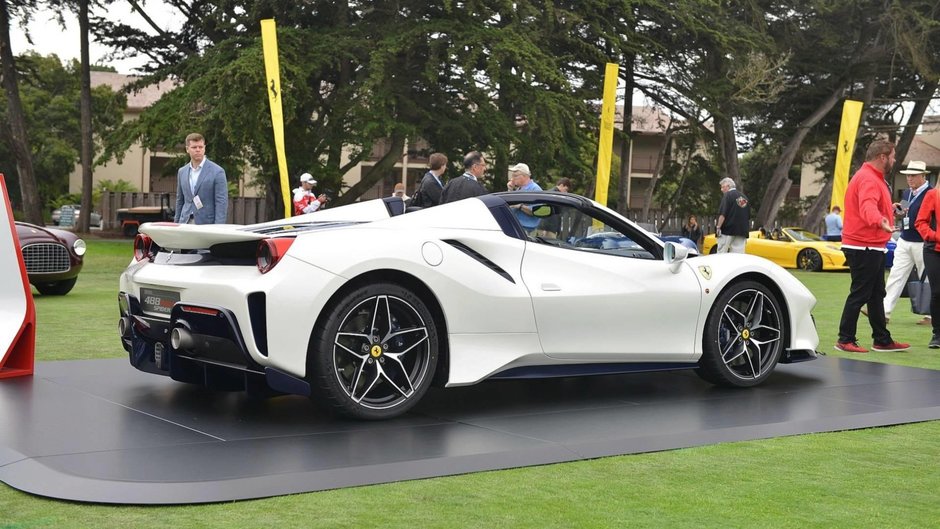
<point x="78" y="247"/>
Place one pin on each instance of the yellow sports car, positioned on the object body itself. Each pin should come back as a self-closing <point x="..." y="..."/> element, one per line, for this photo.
<point x="790" y="248"/>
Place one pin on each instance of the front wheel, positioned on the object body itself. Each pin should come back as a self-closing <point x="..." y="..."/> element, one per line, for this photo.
<point x="809" y="260"/>
<point x="375" y="355"/>
<point x="744" y="336"/>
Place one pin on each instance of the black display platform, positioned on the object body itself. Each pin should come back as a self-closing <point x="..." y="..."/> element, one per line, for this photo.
<point x="100" y="431"/>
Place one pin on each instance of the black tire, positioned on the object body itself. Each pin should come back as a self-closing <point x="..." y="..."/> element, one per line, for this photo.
<point x="57" y="288"/>
<point x="809" y="260"/>
<point x="745" y="334"/>
<point x="129" y="230"/>
<point x="375" y="355"/>
<point x="714" y="249"/>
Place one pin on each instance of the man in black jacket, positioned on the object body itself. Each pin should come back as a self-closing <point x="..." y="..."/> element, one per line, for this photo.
<point x="429" y="190"/>
<point x="468" y="185"/>
<point x="734" y="216"/>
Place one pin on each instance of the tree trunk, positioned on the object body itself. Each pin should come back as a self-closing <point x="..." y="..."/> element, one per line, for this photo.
<point x="623" y="176"/>
<point x="86" y="155"/>
<point x="29" y="193"/>
<point x="626" y="137"/>
<point x="376" y="173"/>
<point x="817" y="211"/>
<point x="917" y="116"/>
<point x="683" y="175"/>
<point x="780" y="181"/>
<point x="660" y="162"/>
<point x="728" y="147"/>
<point x="335" y="148"/>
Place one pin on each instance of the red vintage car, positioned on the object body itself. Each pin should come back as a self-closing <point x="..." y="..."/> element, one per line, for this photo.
<point x="53" y="257"/>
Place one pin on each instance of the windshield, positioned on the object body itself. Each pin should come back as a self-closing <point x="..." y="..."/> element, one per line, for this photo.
<point x="802" y="235"/>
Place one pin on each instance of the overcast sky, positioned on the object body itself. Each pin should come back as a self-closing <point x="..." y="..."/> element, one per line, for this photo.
<point x="48" y="37"/>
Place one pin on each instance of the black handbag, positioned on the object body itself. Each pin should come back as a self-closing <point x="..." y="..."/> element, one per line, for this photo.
<point x="919" y="292"/>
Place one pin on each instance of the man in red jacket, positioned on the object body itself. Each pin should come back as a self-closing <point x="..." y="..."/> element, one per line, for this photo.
<point x="869" y="222"/>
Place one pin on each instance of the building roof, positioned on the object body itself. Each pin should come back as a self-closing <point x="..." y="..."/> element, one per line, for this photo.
<point x="137" y="100"/>
<point x="924" y="152"/>
<point x="648" y="120"/>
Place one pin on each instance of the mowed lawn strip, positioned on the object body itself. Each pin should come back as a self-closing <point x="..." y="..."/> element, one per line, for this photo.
<point x="882" y="477"/>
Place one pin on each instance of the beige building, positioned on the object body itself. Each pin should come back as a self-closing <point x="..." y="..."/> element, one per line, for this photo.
<point x="925" y="148"/>
<point x="649" y="127"/>
<point x="145" y="169"/>
<point x="409" y="169"/>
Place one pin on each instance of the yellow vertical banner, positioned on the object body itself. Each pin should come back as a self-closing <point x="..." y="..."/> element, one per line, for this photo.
<point x="851" y="114"/>
<point x="272" y="71"/>
<point x="605" y="145"/>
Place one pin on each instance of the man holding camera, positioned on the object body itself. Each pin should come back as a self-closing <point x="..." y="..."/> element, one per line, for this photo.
<point x="909" y="252"/>
<point x="304" y="199"/>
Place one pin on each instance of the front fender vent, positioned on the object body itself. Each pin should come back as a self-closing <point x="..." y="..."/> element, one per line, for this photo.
<point x="477" y="256"/>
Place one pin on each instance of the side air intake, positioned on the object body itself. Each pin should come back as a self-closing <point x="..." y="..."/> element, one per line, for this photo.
<point x="477" y="256"/>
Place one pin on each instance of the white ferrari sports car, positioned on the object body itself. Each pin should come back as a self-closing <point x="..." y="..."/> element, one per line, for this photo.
<point x="364" y="307"/>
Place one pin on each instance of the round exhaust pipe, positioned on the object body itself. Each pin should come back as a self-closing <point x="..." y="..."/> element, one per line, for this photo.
<point x="181" y="339"/>
<point x="124" y="327"/>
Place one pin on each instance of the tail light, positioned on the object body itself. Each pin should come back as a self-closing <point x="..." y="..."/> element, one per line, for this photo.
<point x="144" y="247"/>
<point x="270" y="252"/>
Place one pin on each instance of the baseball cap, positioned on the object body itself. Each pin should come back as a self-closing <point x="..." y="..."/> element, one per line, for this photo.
<point x="522" y="168"/>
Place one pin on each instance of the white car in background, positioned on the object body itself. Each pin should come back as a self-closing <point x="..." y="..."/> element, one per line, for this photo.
<point x="364" y="307"/>
<point x="74" y="210"/>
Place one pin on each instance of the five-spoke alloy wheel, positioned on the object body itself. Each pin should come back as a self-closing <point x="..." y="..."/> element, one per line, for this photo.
<point x="809" y="260"/>
<point x="375" y="356"/>
<point x="745" y="333"/>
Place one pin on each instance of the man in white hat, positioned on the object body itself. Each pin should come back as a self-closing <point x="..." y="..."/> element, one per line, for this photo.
<point x="304" y="199"/>
<point x="909" y="252"/>
<point x="520" y="179"/>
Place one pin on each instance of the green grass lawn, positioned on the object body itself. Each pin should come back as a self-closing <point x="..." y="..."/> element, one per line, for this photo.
<point x="882" y="477"/>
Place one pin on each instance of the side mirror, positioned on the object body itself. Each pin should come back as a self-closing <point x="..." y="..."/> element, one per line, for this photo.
<point x="674" y="254"/>
<point x="542" y="211"/>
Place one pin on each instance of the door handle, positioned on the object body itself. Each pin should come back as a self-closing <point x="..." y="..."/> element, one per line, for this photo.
<point x="551" y="287"/>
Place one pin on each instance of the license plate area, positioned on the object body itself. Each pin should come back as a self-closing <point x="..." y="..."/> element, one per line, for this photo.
<point x="154" y="301"/>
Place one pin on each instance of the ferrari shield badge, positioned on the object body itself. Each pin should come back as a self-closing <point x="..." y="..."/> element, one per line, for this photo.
<point x="706" y="271"/>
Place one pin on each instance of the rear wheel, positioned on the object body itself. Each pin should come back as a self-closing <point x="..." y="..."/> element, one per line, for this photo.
<point x="744" y="336"/>
<point x="56" y="288"/>
<point x="809" y="260"/>
<point x="375" y="356"/>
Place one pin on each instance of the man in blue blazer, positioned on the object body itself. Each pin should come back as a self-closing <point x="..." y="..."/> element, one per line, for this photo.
<point x="201" y="189"/>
